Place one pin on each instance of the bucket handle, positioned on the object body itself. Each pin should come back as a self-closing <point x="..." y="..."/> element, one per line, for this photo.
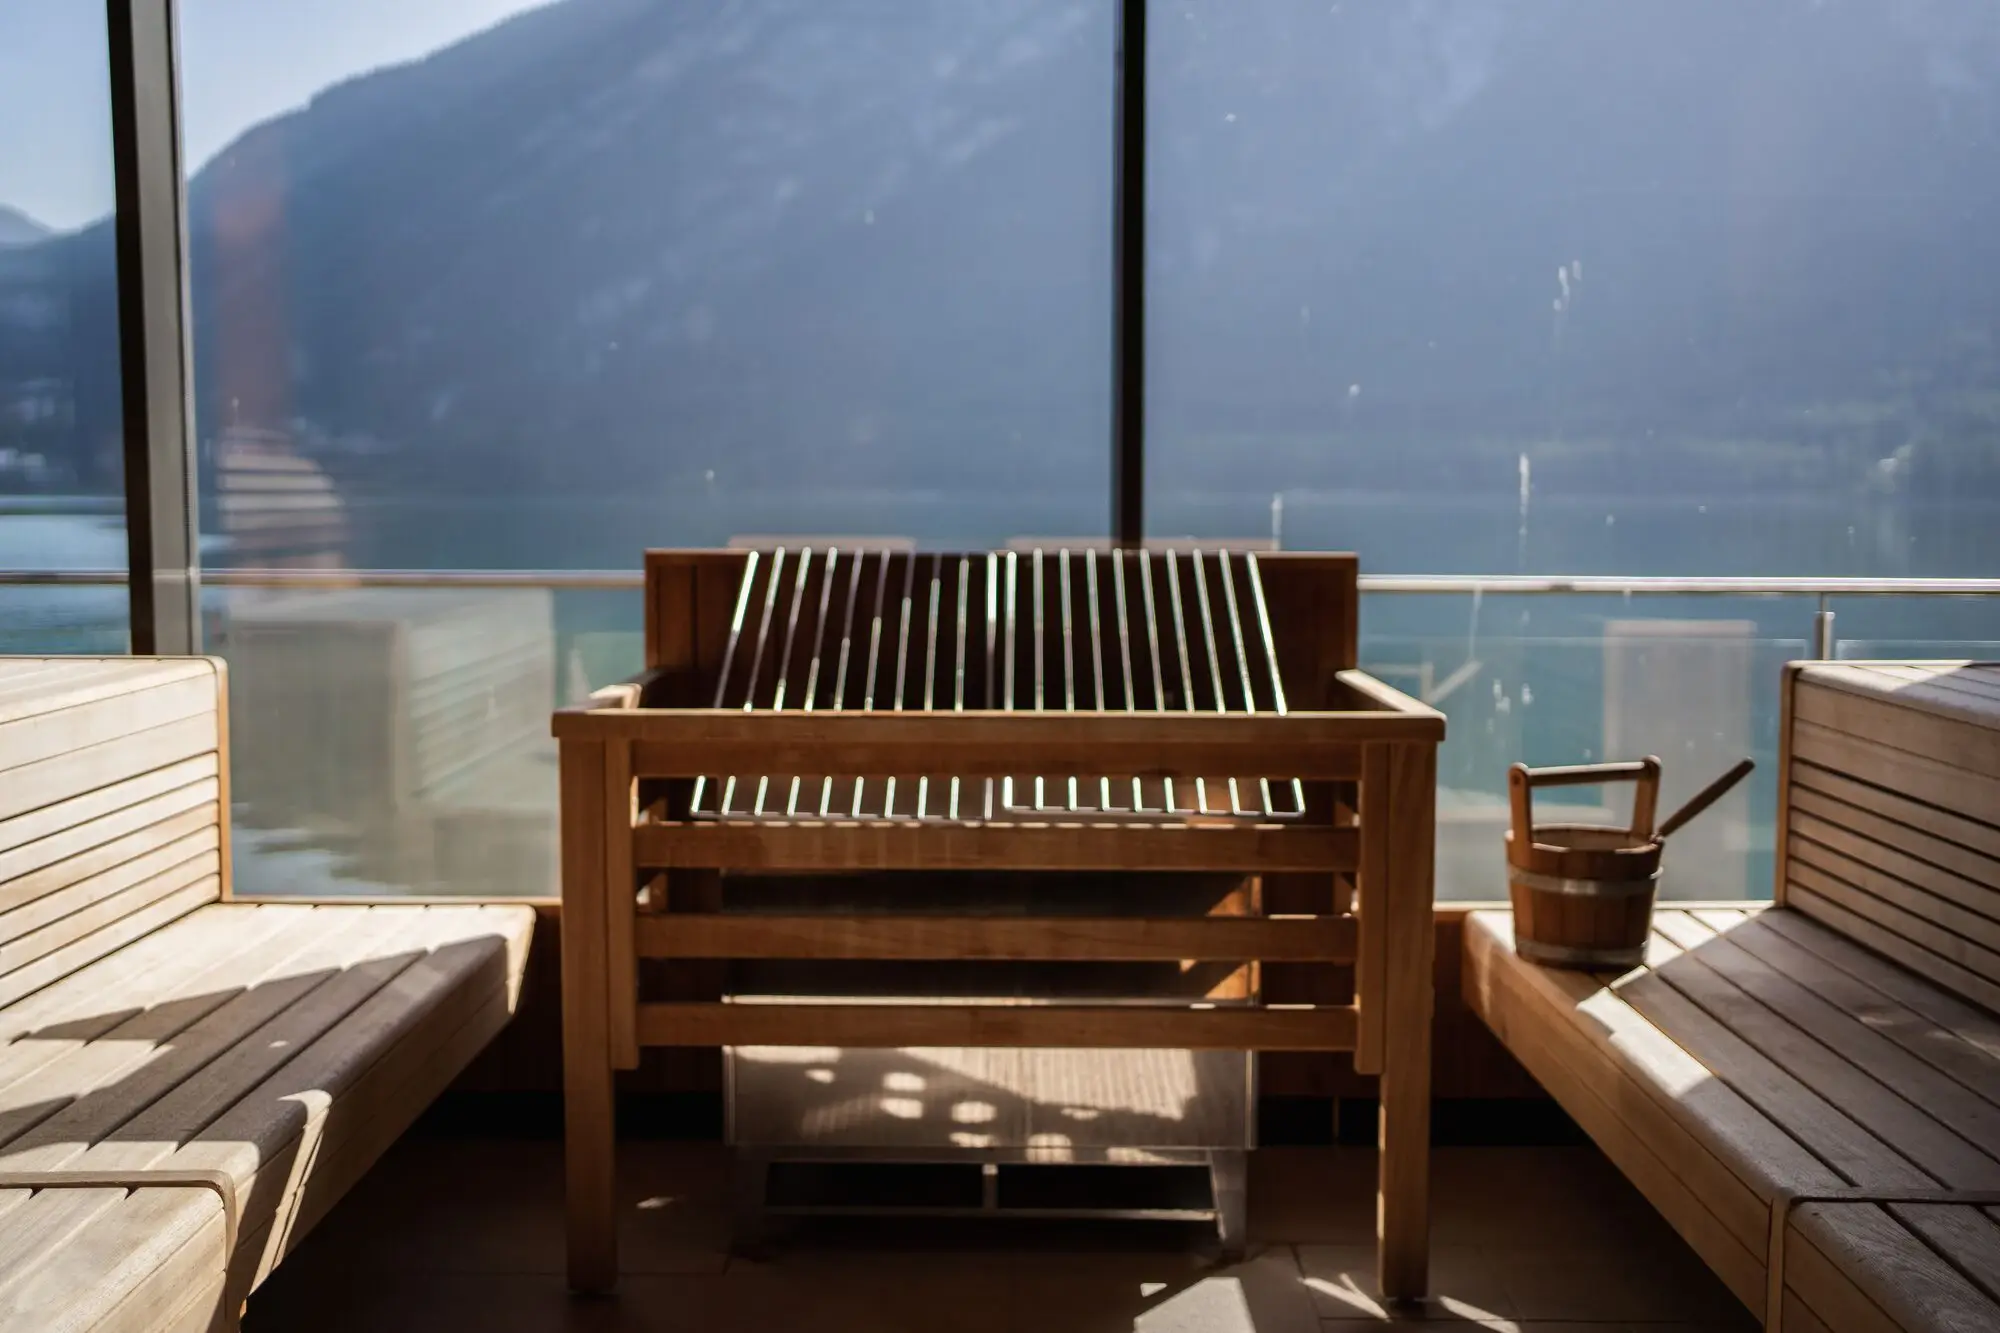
<point x="1522" y="780"/>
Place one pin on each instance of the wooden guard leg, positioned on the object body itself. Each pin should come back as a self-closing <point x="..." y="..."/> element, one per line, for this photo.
<point x="588" y="1129"/>
<point x="1403" y="1202"/>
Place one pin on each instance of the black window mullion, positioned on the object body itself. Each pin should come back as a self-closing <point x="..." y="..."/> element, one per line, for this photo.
<point x="151" y="227"/>
<point x="1128" y="414"/>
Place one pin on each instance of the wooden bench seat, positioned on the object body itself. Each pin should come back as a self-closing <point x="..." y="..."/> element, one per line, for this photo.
<point x="188" y="1083"/>
<point x="1839" y="1044"/>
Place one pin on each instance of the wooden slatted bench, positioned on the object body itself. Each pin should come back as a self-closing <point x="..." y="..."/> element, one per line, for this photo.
<point x="188" y="1083"/>
<point x="1810" y="1093"/>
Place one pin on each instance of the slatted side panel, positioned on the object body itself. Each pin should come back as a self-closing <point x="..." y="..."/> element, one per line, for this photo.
<point x="1892" y="819"/>
<point x="111" y="807"/>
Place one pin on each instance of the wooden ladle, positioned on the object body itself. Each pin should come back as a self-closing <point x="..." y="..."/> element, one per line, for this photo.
<point x="1704" y="798"/>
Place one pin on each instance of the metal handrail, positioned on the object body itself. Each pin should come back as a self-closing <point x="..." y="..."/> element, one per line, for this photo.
<point x="1600" y="585"/>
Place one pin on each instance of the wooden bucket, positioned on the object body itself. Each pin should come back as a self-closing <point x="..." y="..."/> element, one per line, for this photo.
<point x="1583" y="893"/>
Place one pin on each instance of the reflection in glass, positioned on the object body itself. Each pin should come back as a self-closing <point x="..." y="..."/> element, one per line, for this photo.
<point x="61" y="488"/>
<point x="610" y="275"/>
<point x="1486" y="286"/>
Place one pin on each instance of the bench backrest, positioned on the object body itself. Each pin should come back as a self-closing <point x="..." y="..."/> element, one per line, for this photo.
<point x="1890" y="813"/>
<point x="113" y="806"/>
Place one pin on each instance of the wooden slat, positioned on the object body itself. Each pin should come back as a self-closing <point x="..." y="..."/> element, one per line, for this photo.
<point x="1942" y="931"/>
<point x="1804" y="895"/>
<point x="188" y="1282"/>
<point x="687" y="743"/>
<point x="1931" y="891"/>
<point x="225" y="810"/>
<point x="1956" y="1036"/>
<point x="49" y="734"/>
<point x="109" y="1080"/>
<point x="1109" y="939"/>
<point x="1874" y="1138"/>
<point x="1495" y="974"/>
<point x="132" y="887"/>
<point x="47" y="866"/>
<point x="1911" y="689"/>
<point x="140" y="974"/>
<point x="35" y="786"/>
<point x="587" y="1054"/>
<point x="79" y="681"/>
<point x="1826" y="701"/>
<point x="1875" y="823"/>
<point x="1825" y="1129"/>
<point x="1979" y="685"/>
<point x="1830" y="1286"/>
<point x="376" y="1111"/>
<point x="1914" y="789"/>
<point x="1914" y="1287"/>
<point x="1403" y="1139"/>
<point x="621" y="973"/>
<point x="1297" y="1028"/>
<point x="886" y="845"/>
<point x="1672" y="1168"/>
<point x="51" y="824"/>
<point x="126" y="1026"/>
<point x="1385" y="697"/>
<point x="145" y="1256"/>
<point x="1579" y="1013"/>
<point x="266" y="979"/>
<point x="68" y="887"/>
<point x="1787" y="766"/>
<point x="1929" y="1119"/>
<point x="1372" y="885"/>
<point x="270" y="1134"/>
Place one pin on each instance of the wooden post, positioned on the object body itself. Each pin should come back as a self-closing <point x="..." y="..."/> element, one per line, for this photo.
<point x="621" y="970"/>
<point x="1782" y="844"/>
<point x="588" y="1129"/>
<point x="1403" y="1197"/>
<point x="1373" y="887"/>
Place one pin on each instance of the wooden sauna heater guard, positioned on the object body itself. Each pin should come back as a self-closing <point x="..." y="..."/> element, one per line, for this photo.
<point x="968" y="811"/>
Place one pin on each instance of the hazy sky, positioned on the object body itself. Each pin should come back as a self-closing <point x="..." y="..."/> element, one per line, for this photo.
<point x="242" y="62"/>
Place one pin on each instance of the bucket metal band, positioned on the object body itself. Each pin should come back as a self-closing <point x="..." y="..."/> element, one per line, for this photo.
<point x="1583" y="888"/>
<point x="1566" y="955"/>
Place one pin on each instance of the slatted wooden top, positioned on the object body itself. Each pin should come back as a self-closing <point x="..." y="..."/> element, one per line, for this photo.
<point x="1760" y="1053"/>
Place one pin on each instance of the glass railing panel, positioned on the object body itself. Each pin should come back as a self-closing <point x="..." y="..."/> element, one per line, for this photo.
<point x="63" y="620"/>
<point x="1571" y="679"/>
<point x="61" y="459"/>
<point x="395" y="741"/>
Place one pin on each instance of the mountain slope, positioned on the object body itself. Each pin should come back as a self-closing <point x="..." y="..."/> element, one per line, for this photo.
<point x="625" y="245"/>
<point x="17" y="228"/>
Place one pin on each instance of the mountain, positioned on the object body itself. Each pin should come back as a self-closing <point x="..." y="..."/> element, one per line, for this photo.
<point x="17" y="228"/>
<point x="615" y="246"/>
<point x="785" y="240"/>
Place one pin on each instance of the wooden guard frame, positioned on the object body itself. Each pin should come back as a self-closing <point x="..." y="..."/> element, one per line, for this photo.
<point x="640" y="878"/>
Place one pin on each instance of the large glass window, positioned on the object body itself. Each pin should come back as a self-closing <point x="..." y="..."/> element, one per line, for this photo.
<point x="1630" y="287"/>
<point x="61" y="504"/>
<point x="608" y="275"/>
<point x="480" y="285"/>
<point x="1585" y="286"/>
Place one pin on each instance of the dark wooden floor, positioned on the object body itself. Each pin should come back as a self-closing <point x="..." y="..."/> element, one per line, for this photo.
<point x="451" y="1233"/>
